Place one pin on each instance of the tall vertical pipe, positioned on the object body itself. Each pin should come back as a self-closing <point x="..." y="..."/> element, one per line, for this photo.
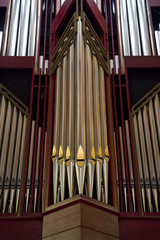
<point x="150" y="157"/>
<point x="23" y="28"/>
<point x="97" y="126"/>
<point x="156" y="149"/>
<point x="32" y="28"/>
<point x="150" y="26"/>
<point x="71" y="119"/>
<point x="104" y="134"/>
<point x="63" y="129"/>
<point x="56" y="135"/>
<point x="146" y="47"/>
<point x="12" y="39"/>
<point x="90" y="152"/>
<point x="10" y="157"/>
<point x="133" y="29"/>
<point x="80" y="147"/>
<point x="3" y="109"/>
<point x="132" y="184"/>
<point x="125" y="29"/>
<point x="157" y="38"/>
<point x="7" y="28"/>
<point x="139" y="161"/>
<point x="21" y="161"/>
<point x="144" y="159"/>
<point x="123" y="169"/>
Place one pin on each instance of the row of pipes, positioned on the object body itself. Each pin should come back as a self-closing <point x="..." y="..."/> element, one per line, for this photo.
<point x="13" y="120"/>
<point x="80" y="149"/>
<point x="22" y="33"/>
<point x="146" y="121"/>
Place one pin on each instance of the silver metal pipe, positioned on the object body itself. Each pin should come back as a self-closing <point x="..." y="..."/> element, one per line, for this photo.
<point x="12" y="38"/>
<point x="16" y="159"/>
<point x="90" y="152"/>
<point x="99" y="5"/>
<point x="156" y="149"/>
<point x="124" y="29"/>
<point x="123" y="169"/>
<point x="32" y="28"/>
<point x="3" y="109"/>
<point x="150" y="27"/>
<point x="37" y="167"/>
<point x="144" y="159"/>
<point x="150" y="157"/>
<point x="133" y="29"/>
<point x="41" y="63"/>
<point x="63" y="128"/>
<point x="70" y="154"/>
<point x="157" y="38"/>
<point x="9" y="159"/>
<point x="46" y="66"/>
<point x="97" y="126"/>
<point x="7" y="28"/>
<point x="5" y="141"/>
<point x="37" y="35"/>
<point x="104" y="134"/>
<point x="111" y="65"/>
<point x="80" y="147"/>
<point x="157" y="114"/>
<point x="139" y="161"/>
<point x="120" y="37"/>
<point x="146" y="47"/>
<point x="116" y="163"/>
<point x="132" y="184"/>
<point x="20" y="162"/>
<point x="116" y="63"/>
<point x="23" y="28"/>
<point x="30" y="164"/>
<point x="56" y="134"/>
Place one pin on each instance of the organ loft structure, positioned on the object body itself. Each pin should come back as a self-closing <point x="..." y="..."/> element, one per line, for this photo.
<point x="79" y="119"/>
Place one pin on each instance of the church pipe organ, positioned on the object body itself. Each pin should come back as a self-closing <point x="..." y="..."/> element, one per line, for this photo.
<point x="82" y="130"/>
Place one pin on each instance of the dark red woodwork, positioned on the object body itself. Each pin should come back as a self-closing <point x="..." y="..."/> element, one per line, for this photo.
<point x="142" y="62"/>
<point x="18" y="228"/>
<point x="17" y="62"/>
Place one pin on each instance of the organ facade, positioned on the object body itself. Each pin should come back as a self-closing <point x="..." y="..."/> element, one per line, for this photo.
<point x="80" y="119"/>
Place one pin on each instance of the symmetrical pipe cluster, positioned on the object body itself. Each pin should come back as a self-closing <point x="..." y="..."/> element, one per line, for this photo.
<point x="80" y="148"/>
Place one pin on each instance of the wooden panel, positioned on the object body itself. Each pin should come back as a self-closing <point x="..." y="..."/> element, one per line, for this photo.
<point x="17" y="62"/>
<point x="99" y="220"/>
<point x="89" y="234"/>
<point x="72" y="234"/>
<point x="62" y="220"/>
<point x="142" y="62"/>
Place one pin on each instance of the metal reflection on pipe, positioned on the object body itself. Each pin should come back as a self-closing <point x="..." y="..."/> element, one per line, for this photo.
<point x="80" y="147"/>
<point x="144" y="28"/>
<point x="56" y="134"/>
<point x="23" y="28"/>
<point x="7" y="28"/>
<point x="157" y="38"/>
<point x="124" y="23"/>
<point x="89" y="122"/>
<point x="70" y="154"/>
<point x="150" y="27"/>
<point x="11" y="49"/>
<point x="104" y="134"/>
<point x="133" y="29"/>
<point x="32" y="28"/>
<point x="1" y="37"/>
<point x="63" y="129"/>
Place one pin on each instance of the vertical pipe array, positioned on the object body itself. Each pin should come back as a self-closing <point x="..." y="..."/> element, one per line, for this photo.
<point x="83" y="131"/>
<point x="146" y="129"/>
<point x="13" y="115"/>
<point x="35" y="160"/>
